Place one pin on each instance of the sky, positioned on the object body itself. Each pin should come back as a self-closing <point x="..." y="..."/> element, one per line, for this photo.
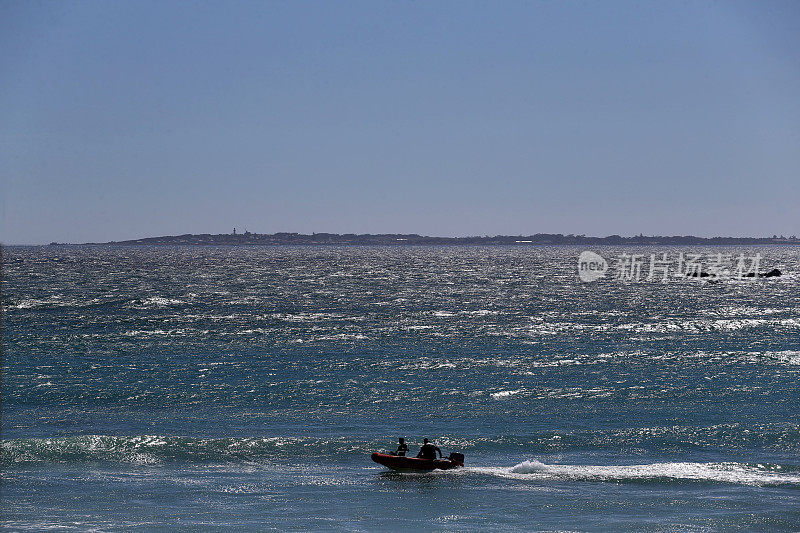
<point x="122" y="120"/>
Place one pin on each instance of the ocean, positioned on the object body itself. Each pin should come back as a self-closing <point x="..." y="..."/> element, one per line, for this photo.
<point x="244" y="388"/>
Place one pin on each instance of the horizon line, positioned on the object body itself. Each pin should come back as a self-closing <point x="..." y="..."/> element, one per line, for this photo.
<point x="240" y="238"/>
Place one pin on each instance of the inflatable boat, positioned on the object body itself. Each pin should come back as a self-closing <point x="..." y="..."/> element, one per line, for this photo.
<point x="414" y="464"/>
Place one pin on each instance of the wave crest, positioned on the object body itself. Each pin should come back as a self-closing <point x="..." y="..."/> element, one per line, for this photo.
<point x="149" y="449"/>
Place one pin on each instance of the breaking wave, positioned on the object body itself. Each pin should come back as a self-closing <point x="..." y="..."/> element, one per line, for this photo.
<point x="152" y="449"/>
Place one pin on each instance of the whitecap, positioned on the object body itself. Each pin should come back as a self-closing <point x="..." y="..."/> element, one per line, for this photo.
<point x="505" y="394"/>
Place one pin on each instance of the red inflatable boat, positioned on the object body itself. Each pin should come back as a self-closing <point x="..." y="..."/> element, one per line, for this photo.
<point x="413" y="464"/>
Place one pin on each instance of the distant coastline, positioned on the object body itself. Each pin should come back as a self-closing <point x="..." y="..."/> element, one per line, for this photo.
<point x="398" y="239"/>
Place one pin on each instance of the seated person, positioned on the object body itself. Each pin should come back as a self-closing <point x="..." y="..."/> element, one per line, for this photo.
<point x="428" y="451"/>
<point x="402" y="448"/>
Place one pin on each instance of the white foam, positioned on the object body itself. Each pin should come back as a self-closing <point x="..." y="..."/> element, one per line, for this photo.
<point x="33" y="303"/>
<point x="481" y="312"/>
<point x="736" y="473"/>
<point x="505" y="394"/>
<point x="789" y="357"/>
<point x="154" y="302"/>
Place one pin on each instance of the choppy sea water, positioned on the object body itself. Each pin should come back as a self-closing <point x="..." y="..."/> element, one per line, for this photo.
<point x="209" y="388"/>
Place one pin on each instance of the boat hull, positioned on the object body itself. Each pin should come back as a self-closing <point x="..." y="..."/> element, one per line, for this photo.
<point x="413" y="464"/>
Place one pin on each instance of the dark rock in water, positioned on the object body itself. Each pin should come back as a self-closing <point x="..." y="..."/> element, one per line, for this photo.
<point x="774" y="273"/>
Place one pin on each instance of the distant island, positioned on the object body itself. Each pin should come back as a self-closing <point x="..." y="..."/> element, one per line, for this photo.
<point x="406" y="239"/>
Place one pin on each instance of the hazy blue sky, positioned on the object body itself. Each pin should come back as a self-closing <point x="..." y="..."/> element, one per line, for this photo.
<point x="129" y="119"/>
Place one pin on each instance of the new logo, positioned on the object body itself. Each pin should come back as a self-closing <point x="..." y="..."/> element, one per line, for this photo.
<point x="591" y="266"/>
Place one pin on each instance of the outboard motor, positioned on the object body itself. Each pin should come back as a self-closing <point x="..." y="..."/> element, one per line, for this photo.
<point x="457" y="458"/>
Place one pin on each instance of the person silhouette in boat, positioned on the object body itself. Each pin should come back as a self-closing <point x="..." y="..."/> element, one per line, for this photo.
<point x="402" y="448"/>
<point x="428" y="450"/>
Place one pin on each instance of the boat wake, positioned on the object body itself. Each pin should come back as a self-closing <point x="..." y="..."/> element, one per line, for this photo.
<point x="727" y="472"/>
